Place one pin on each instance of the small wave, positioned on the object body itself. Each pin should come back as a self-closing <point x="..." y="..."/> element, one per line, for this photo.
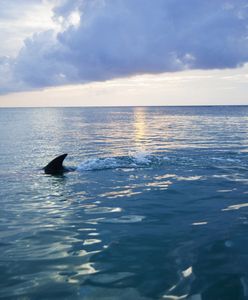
<point x="199" y="223"/>
<point x="138" y="160"/>
<point x="91" y="242"/>
<point x="109" y="278"/>
<point x="124" y="219"/>
<point x="235" y="207"/>
<point x="223" y="159"/>
<point x="102" y="210"/>
<point x="189" y="178"/>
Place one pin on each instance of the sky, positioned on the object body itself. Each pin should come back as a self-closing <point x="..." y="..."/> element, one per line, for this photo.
<point x="123" y="52"/>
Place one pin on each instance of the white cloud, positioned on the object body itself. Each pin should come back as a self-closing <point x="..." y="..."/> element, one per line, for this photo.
<point x="103" y="39"/>
<point x="22" y="19"/>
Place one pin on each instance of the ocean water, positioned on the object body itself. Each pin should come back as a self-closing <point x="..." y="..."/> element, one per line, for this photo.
<point x="157" y="207"/>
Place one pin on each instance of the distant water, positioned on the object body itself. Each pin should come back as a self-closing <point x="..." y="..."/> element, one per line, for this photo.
<point x="156" y="209"/>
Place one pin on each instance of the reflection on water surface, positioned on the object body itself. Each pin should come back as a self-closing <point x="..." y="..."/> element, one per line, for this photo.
<point x="156" y="209"/>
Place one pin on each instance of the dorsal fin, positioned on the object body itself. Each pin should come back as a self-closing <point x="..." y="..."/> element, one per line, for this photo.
<point x="55" y="167"/>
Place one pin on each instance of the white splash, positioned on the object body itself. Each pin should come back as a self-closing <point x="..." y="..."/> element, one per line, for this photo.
<point x="137" y="160"/>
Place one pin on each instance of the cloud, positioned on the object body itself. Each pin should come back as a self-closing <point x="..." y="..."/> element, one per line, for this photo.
<point x="35" y="16"/>
<point x="105" y="39"/>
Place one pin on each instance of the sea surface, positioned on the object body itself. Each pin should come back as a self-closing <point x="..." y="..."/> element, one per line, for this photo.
<point x="157" y="207"/>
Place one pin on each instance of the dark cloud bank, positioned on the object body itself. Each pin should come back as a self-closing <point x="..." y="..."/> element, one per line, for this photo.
<point x="118" y="38"/>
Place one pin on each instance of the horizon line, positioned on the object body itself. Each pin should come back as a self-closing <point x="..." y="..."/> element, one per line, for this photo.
<point x="125" y="106"/>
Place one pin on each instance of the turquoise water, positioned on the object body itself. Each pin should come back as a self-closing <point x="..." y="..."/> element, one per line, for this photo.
<point x="156" y="209"/>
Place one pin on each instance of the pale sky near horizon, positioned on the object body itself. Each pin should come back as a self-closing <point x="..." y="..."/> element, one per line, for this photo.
<point x="123" y="52"/>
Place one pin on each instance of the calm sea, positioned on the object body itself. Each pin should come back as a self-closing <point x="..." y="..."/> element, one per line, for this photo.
<point x="157" y="207"/>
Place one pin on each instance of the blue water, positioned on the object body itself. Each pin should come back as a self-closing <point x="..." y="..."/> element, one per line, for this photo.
<point x="157" y="207"/>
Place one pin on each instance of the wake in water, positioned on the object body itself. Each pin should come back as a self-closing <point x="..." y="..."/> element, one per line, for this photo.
<point x="148" y="159"/>
<point x="139" y="160"/>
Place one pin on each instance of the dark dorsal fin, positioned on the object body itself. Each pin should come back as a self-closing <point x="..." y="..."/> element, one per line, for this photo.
<point x="55" y="167"/>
